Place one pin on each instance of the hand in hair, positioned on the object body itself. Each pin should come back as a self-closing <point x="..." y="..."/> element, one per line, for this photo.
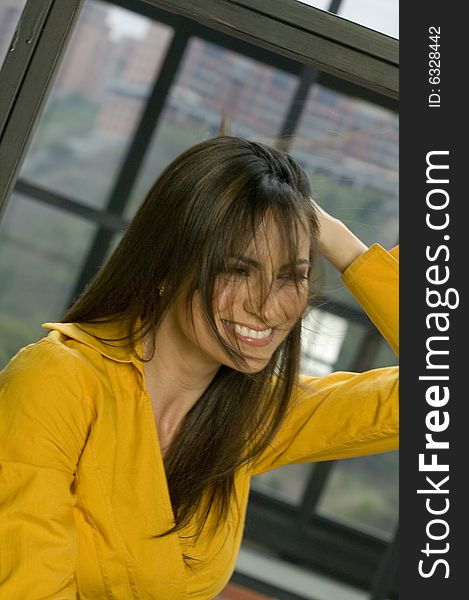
<point x="337" y="243"/>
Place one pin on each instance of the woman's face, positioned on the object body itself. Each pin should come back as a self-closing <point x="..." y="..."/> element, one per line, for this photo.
<point x="257" y="302"/>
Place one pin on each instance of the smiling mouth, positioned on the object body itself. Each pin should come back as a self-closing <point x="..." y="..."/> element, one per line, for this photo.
<point x="255" y="337"/>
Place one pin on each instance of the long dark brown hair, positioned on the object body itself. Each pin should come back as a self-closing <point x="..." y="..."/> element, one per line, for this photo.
<point x="205" y="208"/>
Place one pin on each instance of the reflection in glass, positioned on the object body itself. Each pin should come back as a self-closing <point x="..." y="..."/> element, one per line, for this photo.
<point x="97" y="100"/>
<point x="213" y="81"/>
<point x="41" y="250"/>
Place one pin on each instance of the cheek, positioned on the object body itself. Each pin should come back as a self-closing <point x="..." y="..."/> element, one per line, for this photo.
<point x="196" y="324"/>
<point x="225" y="298"/>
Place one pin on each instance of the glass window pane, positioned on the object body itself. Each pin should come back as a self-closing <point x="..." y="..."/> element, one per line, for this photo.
<point x="385" y="356"/>
<point x="10" y="12"/>
<point x="96" y="102"/>
<point x="350" y="151"/>
<point x="323" y="4"/>
<point x="331" y="342"/>
<point x="113" y="245"/>
<point x="364" y="493"/>
<point x="322" y="337"/>
<point x="351" y="346"/>
<point x="286" y="483"/>
<point x="41" y="251"/>
<point x="380" y="15"/>
<point x="213" y="81"/>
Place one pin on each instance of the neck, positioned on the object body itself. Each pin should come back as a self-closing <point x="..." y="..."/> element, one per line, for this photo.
<point x="177" y="375"/>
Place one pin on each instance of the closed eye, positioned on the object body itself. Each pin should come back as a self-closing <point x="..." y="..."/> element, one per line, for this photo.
<point x="237" y="270"/>
<point x="293" y="276"/>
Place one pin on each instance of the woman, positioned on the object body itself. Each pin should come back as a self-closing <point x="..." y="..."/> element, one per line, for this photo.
<point x="128" y="435"/>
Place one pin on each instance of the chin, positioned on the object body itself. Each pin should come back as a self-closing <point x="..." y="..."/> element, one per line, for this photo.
<point x="253" y="366"/>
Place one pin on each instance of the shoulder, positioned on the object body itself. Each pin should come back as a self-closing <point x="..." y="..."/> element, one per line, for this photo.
<point x="46" y="405"/>
<point x="51" y="363"/>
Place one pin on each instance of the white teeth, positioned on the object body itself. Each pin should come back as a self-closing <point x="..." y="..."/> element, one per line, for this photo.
<point x="252" y="333"/>
<point x="247" y="332"/>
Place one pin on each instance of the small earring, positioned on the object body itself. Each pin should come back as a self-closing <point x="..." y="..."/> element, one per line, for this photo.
<point x="161" y="291"/>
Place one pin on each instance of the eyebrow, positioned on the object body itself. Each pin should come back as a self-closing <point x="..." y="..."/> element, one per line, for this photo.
<point x="255" y="263"/>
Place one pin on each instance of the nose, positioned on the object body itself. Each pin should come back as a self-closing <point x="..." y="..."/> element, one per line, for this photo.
<point x="261" y="301"/>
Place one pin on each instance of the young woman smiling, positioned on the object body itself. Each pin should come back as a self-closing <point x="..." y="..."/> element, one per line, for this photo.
<point x="128" y="435"/>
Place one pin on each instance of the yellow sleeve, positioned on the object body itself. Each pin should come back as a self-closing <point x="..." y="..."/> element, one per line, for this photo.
<point x="44" y="423"/>
<point x="347" y="414"/>
<point x="373" y="278"/>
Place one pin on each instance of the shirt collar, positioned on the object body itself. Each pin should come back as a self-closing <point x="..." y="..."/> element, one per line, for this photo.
<point x="89" y="334"/>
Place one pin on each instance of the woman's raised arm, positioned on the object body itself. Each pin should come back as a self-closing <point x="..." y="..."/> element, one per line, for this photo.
<point x="337" y="243"/>
<point x="347" y="414"/>
<point x="377" y="293"/>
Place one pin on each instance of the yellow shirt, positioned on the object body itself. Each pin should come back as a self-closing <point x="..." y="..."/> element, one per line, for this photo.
<point x="82" y="483"/>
